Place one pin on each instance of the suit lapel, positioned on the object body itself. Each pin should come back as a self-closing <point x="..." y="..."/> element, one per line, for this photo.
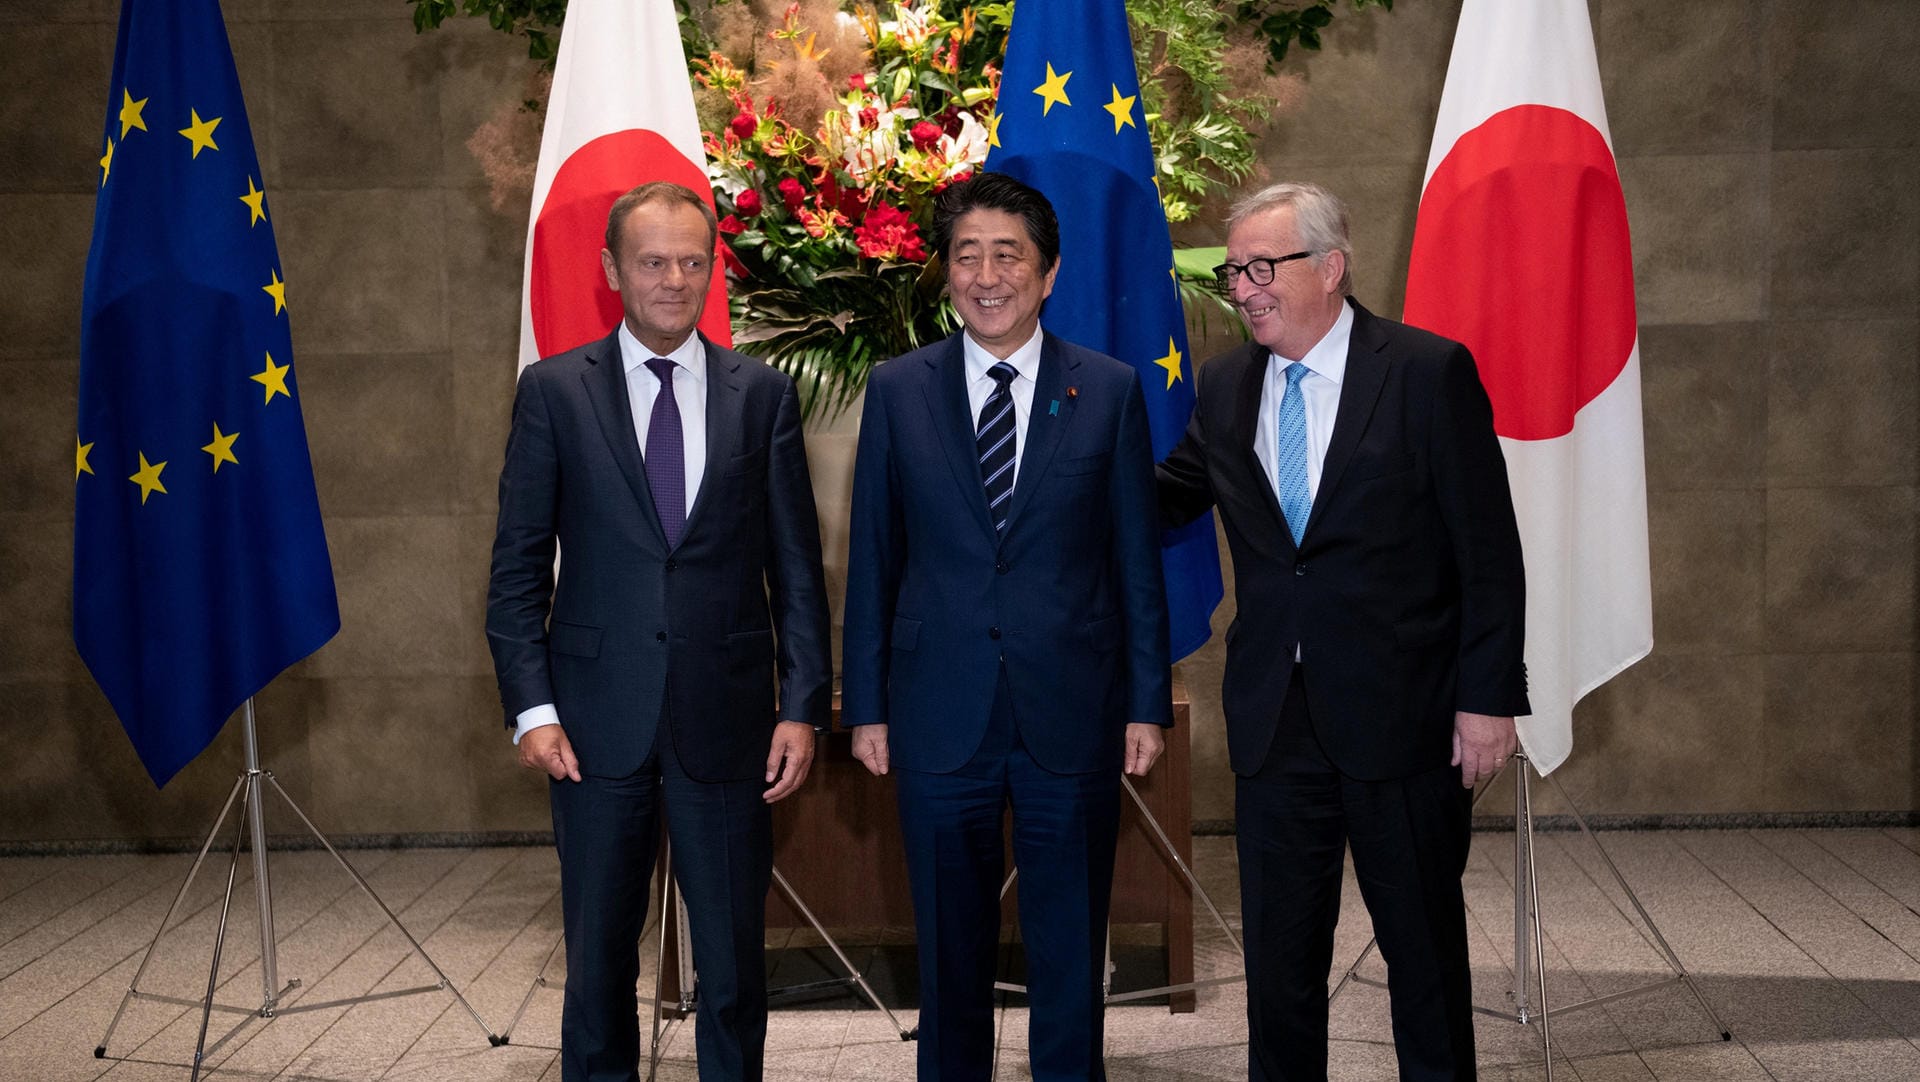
<point x="606" y="386"/>
<point x="726" y="404"/>
<point x="1044" y="425"/>
<point x="1246" y="429"/>
<point x="1359" y="392"/>
<point x="946" y="394"/>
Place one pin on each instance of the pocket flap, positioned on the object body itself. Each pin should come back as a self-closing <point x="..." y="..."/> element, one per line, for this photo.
<point x="575" y="640"/>
<point x="1408" y="634"/>
<point x="1383" y="467"/>
<point x="1067" y="467"/>
<point x="753" y="461"/>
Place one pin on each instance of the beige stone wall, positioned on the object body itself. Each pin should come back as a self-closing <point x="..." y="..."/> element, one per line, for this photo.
<point x="1768" y="152"/>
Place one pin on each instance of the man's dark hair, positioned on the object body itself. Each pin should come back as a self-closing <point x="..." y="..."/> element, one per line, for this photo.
<point x="657" y="191"/>
<point x="997" y="191"/>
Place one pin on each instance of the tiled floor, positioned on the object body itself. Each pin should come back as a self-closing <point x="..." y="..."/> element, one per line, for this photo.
<point x="1807" y="942"/>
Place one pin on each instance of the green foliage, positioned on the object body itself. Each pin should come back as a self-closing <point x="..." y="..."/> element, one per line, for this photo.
<point x="829" y="334"/>
<point x="1202" y="132"/>
<point x="536" y="20"/>
<point x="1284" y="22"/>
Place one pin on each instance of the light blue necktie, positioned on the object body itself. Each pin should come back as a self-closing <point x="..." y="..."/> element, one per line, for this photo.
<point x="1290" y="454"/>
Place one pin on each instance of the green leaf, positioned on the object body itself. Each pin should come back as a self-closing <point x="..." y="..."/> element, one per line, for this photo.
<point x="936" y="81"/>
<point x="1198" y="263"/>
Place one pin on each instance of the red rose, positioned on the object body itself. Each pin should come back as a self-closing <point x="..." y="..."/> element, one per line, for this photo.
<point x="791" y="194"/>
<point x="731" y="226"/>
<point x="869" y="117"/>
<point x="889" y="234"/>
<point x="926" y="135"/>
<point x="857" y="81"/>
<point x="744" y="125"/>
<point x="747" y="202"/>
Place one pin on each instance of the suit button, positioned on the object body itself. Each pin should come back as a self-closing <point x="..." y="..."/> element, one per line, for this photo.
<point x="1002" y="567"/>
<point x="1299" y="569"/>
<point x="671" y="565"/>
<point x="993" y="633"/>
<point x="659" y="636"/>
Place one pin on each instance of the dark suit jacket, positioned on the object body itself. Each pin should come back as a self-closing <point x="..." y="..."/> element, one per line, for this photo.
<point x="1406" y="594"/>
<point x="1071" y="598"/>
<point x="704" y="628"/>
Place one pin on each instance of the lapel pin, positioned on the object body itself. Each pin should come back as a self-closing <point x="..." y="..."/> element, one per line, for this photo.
<point x="1053" y="408"/>
<point x="1073" y="392"/>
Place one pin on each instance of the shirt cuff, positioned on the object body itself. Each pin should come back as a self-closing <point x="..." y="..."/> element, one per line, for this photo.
<point x="533" y="717"/>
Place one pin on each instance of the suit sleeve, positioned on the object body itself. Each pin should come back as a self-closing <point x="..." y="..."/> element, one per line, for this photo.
<point x="1136" y="561"/>
<point x="1185" y="493"/>
<point x="520" y="587"/>
<point x="1470" y="480"/>
<point x="876" y="552"/>
<point x="796" y="580"/>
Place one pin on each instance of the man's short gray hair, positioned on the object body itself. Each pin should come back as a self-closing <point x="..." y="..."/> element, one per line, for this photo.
<point x="1318" y="216"/>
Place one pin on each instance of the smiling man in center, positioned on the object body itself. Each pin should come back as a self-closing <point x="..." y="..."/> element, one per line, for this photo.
<point x="1006" y="632"/>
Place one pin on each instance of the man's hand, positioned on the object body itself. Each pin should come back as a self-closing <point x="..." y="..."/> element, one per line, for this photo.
<point x="1144" y="744"/>
<point x="870" y="747"/>
<point x="788" y="759"/>
<point x="547" y="748"/>
<point x="1481" y="746"/>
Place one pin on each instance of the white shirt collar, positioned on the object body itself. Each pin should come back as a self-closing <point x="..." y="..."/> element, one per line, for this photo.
<point x="1025" y="360"/>
<point x="690" y="354"/>
<point x="1328" y="357"/>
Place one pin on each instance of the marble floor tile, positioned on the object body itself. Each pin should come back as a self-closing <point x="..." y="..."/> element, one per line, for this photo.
<point x="1806" y="943"/>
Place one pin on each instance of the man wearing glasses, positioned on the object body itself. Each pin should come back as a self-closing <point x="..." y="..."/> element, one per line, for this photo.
<point x="1374" y="669"/>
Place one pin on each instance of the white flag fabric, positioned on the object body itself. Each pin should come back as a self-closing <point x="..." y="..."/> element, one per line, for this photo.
<point x="1521" y="251"/>
<point x="621" y="114"/>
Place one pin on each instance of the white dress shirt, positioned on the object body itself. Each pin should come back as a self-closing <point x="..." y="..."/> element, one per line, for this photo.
<point x="1327" y="365"/>
<point x="643" y="387"/>
<point x="1026" y="367"/>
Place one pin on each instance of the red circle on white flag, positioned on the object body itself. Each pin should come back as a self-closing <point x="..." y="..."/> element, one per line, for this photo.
<point x="567" y="292"/>
<point x="1521" y="252"/>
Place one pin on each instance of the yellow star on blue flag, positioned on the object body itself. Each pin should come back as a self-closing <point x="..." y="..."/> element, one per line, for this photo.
<point x="193" y="590"/>
<point x="1113" y="293"/>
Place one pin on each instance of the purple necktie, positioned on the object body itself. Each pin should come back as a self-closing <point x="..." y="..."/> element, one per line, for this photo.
<point x="666" y="455"/>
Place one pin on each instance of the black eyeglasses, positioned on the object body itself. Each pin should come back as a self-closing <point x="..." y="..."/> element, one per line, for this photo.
<point x="1259" y="270"/>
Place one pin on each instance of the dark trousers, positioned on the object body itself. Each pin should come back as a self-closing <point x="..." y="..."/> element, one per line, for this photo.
<point x="1064" y="830"/>
<point x="1295" y="819"/>
<point x="722" y="834"/>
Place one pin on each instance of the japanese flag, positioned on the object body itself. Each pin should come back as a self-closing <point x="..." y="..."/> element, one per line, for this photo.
<point x="621" y="114"/>
<point x="1521" y="252"/>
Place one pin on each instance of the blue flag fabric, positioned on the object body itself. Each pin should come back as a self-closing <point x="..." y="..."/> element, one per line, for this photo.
<point x="1070" y="123"/>
<point x="200" y="568"/>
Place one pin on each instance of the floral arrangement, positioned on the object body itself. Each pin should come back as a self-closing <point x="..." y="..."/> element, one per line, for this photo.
<point x="825" y="216"/>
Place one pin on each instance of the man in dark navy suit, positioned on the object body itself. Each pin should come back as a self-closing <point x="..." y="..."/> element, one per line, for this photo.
<point x="670" y="474"/>
<point x="1006" y="632"/>
<point x="1374" y="669"/>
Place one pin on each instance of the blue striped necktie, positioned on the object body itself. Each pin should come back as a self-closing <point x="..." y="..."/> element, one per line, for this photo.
<point x="994" y="440"/>
<point x="1290" y="454"/>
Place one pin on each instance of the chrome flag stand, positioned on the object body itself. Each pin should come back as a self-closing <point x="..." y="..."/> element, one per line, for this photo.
<point x="251" y="822"/>
<point x="1529" y="935"/>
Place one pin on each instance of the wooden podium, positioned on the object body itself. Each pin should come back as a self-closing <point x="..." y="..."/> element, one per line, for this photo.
<point x="838" y="843"/>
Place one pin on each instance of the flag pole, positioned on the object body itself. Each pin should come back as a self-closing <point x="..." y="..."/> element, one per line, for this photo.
<point x="262" y="883"/>
<point x="253" y="780"/>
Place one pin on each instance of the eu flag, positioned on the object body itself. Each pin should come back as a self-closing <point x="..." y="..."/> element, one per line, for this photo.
<point x="200" y="568"/>
<point x="1069" y="122"/>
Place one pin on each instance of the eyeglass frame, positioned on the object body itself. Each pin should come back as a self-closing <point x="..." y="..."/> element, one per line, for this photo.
<point x="1227" y="273"/>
